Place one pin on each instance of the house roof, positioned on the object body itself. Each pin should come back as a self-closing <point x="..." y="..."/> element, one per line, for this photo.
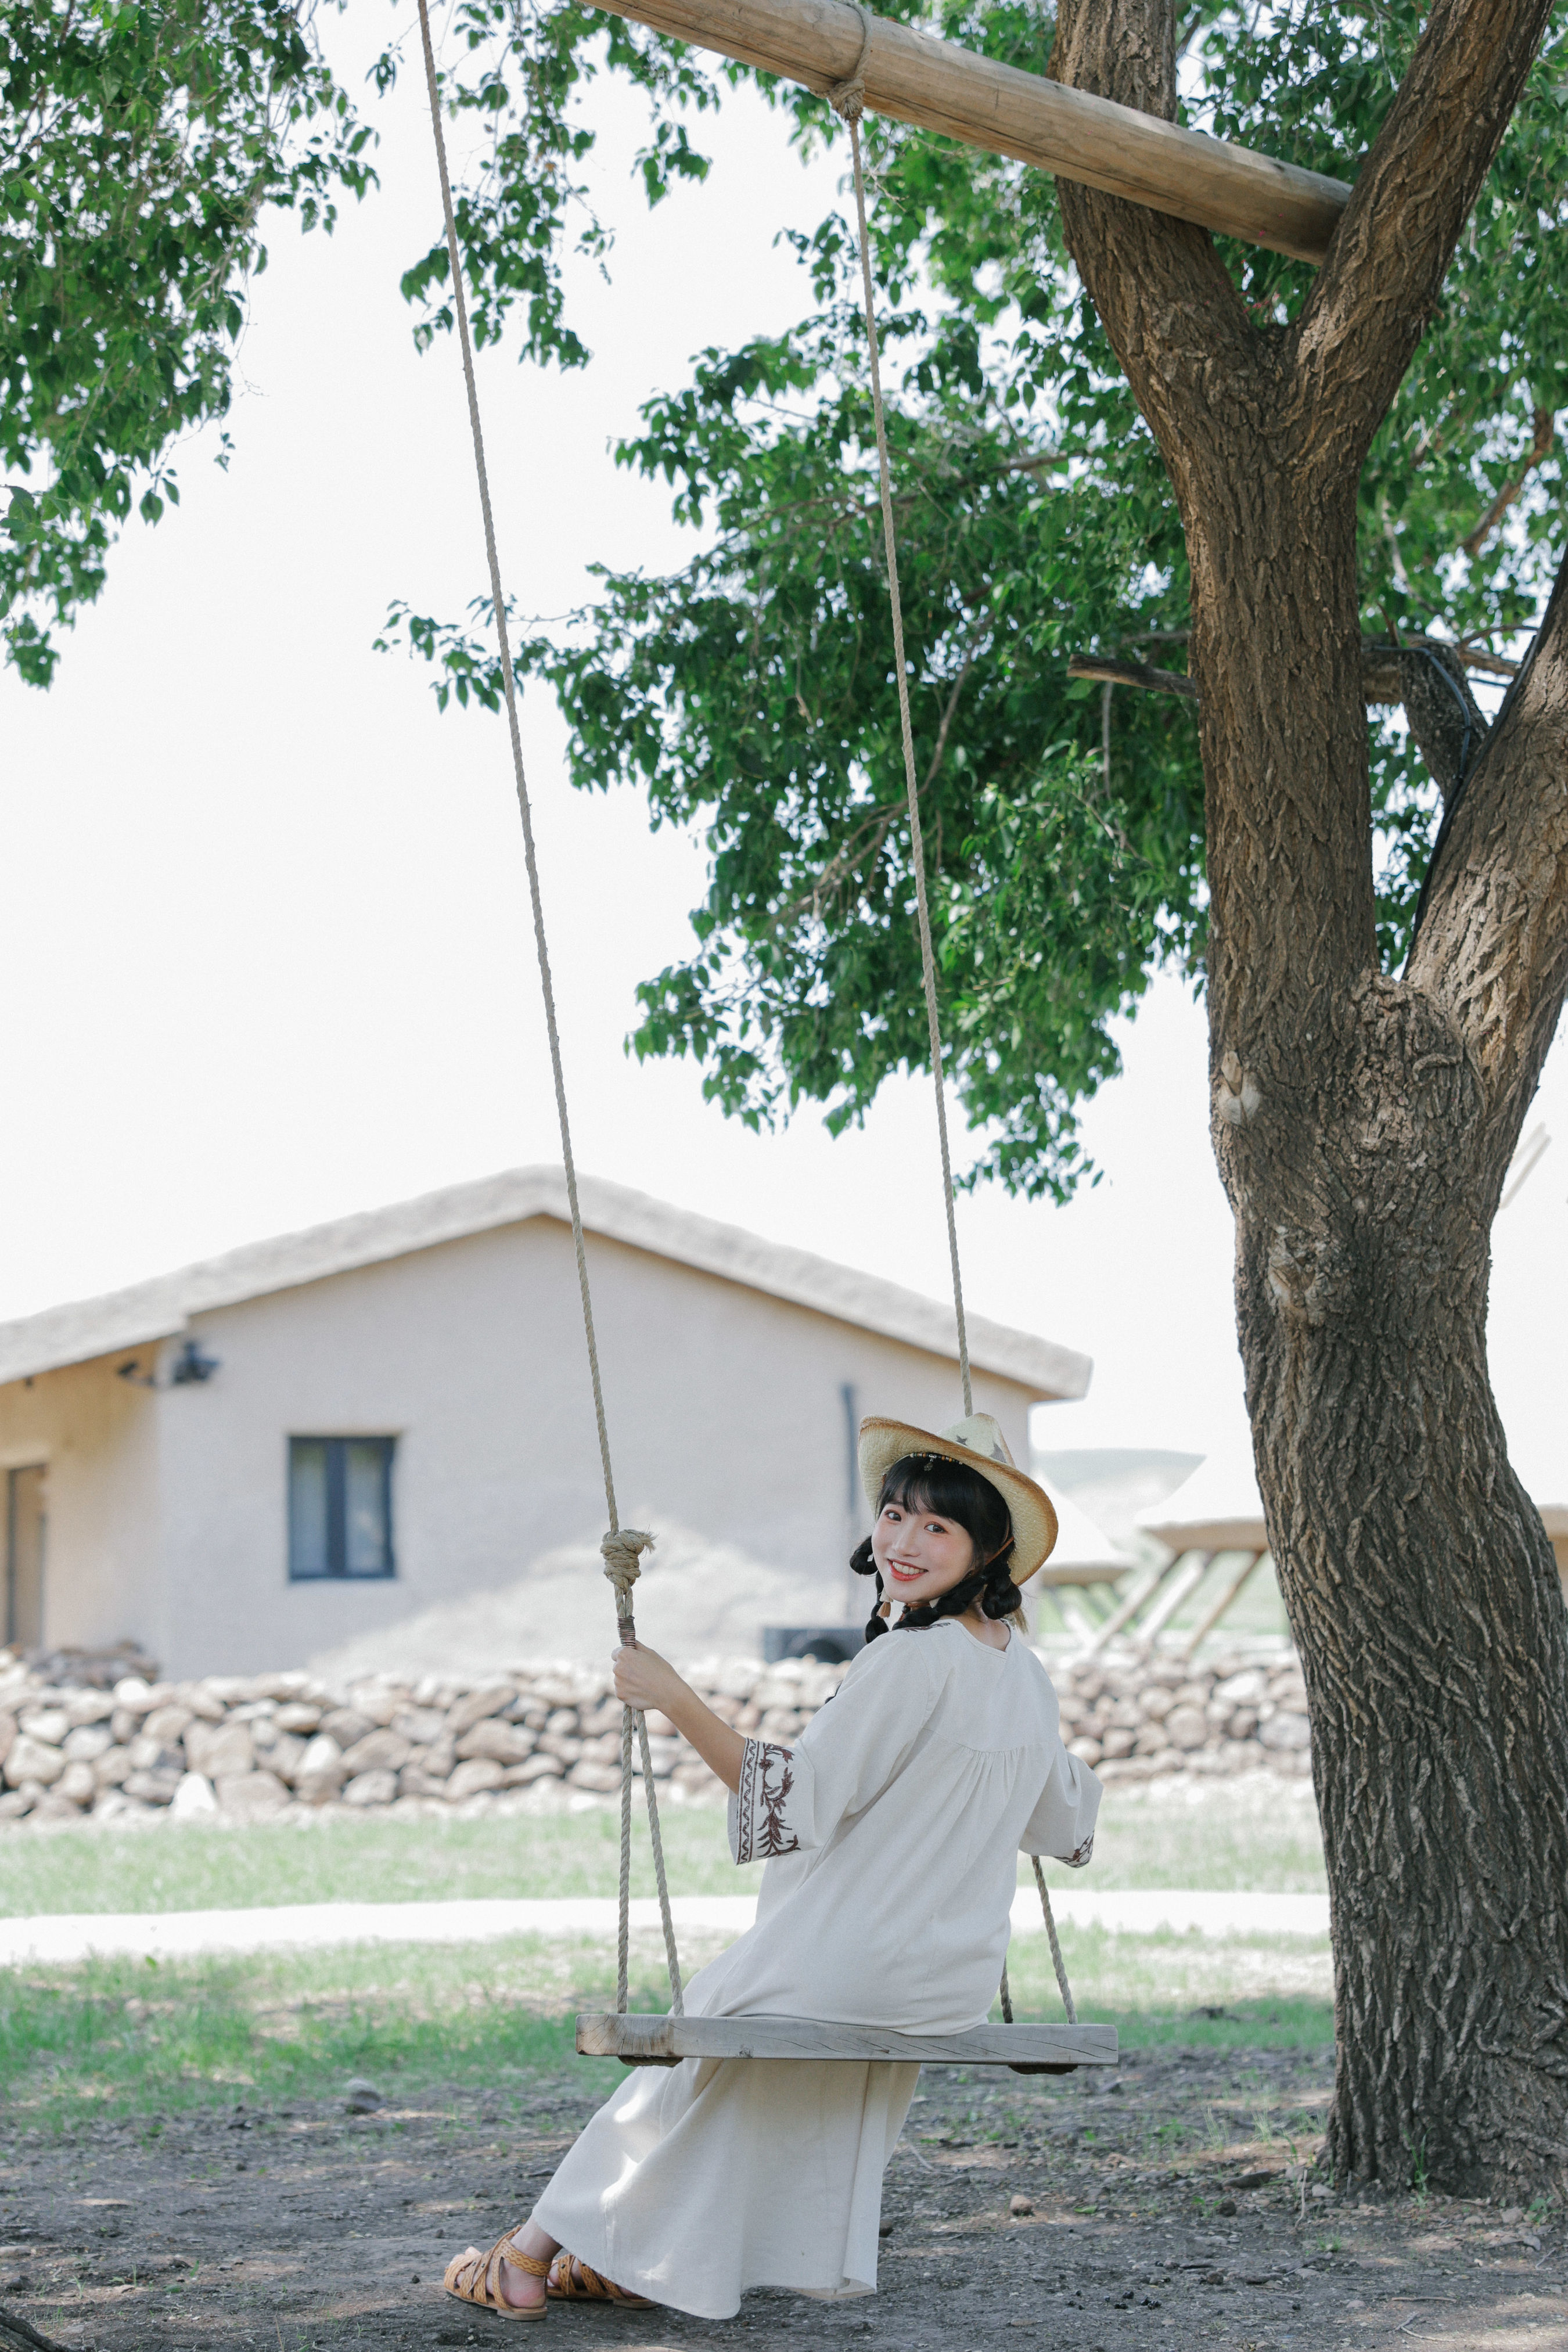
<point x="163" y="1309"/>
<point x="1218" y="1508"/>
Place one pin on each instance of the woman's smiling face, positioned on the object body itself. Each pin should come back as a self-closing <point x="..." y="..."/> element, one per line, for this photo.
<point x="921" y="1554"/>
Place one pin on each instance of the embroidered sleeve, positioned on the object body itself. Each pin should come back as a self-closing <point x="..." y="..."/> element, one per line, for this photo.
<point x="759" y="1810"/>
<point x="792" y="1800"/>
<point x="1062" y="1823"/>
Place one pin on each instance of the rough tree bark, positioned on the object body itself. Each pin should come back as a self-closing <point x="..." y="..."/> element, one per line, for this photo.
<point x="1442" y="713"/>
<point x="1363" y="1123"/>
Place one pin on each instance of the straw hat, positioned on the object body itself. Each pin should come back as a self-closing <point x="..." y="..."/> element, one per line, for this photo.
<point x="978" y="1442"/>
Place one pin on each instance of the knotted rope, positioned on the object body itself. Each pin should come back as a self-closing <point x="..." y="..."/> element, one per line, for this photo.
<point x="622" y="1545"/>
<point x="848" y="99"/>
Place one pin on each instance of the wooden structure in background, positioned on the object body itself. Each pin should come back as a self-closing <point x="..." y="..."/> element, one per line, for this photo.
<point x="1084" y="1564"/>
<point x="1217" y="1512"/>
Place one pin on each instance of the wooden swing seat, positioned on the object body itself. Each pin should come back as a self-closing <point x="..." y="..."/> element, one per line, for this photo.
<point x="640" y="2039"/>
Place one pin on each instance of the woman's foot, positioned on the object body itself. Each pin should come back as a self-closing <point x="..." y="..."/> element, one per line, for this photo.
<point x="524" y="2290"/>
<point x="520" y="2289"/>
<point x="572" y="2281"/>
<point x="511" y="2278"/>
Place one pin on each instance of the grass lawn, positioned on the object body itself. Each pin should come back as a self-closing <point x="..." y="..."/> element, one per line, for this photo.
<point x="338" y="1858"/>
<point x="1260" y="1835"/>
<point x="1255" y="1835"/>
<point x="118" y="2038"/>
<point x="133" y="2037"/>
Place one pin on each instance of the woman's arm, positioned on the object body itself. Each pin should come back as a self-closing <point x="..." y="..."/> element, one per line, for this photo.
<point x="646" y="1680"/>
<point x="1062" y="1823"/>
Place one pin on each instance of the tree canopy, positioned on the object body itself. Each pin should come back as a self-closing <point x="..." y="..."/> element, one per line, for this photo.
<point x="750" y="693"/>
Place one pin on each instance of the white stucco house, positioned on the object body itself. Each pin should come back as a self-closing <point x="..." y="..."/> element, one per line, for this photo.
<point x="309" y="1441"/>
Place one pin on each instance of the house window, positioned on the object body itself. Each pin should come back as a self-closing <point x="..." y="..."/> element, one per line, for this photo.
<point x="340" y="1507"/>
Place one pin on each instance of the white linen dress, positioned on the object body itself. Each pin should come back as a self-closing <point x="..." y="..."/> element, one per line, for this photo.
<point x="892" y="1833"/>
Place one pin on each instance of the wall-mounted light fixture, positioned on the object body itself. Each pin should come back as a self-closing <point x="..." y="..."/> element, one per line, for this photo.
<point x="189" y="1369"/>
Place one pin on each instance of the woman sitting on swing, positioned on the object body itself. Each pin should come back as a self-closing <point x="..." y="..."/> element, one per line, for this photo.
<point x="891" y="1831"/>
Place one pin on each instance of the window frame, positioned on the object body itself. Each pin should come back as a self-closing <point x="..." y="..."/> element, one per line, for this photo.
<point x="338" y="1571"/>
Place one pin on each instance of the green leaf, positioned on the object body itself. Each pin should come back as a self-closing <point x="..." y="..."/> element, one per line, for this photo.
<point x="139" y="148"/>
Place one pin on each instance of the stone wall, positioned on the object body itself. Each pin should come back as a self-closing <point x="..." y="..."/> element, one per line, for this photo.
<point x="275" y="1746"/>
<point x="1134" y="1717"/>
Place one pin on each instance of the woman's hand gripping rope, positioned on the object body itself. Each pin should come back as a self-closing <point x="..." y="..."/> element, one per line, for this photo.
<point x="645" y="1680"/>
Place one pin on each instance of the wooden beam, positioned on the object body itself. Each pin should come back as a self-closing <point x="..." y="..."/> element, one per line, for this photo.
<point x="643" y="2039"/>
<point x="1065" y="1580"/>
<point x="942" y="87"/>
<point x="1182" y="1586"/>
<point x="1142" y="1589"/>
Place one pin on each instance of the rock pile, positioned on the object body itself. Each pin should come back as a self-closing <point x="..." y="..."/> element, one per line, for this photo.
<point x="1134" y="1717"/>
<point x="268" y="1746"/>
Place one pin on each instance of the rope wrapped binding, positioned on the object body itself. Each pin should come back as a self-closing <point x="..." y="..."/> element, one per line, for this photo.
<point x="847" y="98"/>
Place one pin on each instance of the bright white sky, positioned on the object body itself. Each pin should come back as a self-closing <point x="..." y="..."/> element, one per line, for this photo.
<point x="263" y="927"/>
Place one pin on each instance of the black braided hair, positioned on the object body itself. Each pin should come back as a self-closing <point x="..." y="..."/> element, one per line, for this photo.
<point x="949" y="1490"/>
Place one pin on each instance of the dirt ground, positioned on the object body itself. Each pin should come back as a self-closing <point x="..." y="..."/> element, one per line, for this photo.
<point x="1168" y="2205"/>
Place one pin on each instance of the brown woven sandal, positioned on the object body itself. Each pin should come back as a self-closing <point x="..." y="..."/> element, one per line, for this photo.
<point x="473" y="2277"/>
<point x="572" y="2282"/>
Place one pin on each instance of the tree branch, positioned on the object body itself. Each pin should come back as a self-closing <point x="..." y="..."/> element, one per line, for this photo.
<point x="1175" y="319"/>
<point x="1129" y="673"/>
<point x="1371" y="301"/>
<point x="950" y="706"/>
<point x="1545" y="432"/>
<point x="1493" y="946"/>
<point x="1429" y="679"/>
<point x="1264" y="430"/>
<point x="1444" y="716"/>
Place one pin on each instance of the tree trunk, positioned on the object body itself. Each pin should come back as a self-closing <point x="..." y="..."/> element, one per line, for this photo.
<point x="1425" y="1600"/>
<point x="1363" y="1123"/>
<point x="1364" y="1154"/>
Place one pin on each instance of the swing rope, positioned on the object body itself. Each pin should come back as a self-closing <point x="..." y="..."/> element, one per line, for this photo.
<point x="848" y="99"/>
<point x="622" y="1546"/>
